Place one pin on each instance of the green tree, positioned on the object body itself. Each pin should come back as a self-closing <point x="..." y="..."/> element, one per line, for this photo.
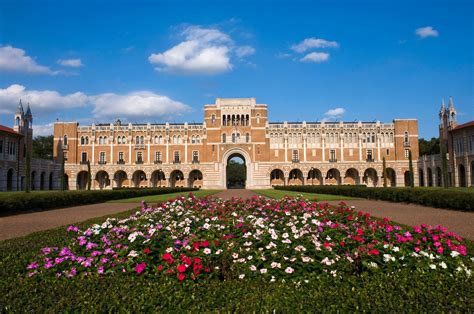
<point x="444" y="164"/>
<point x="410" y="165"/>
<point x="429" y="147"/>
<point x="89" y="175"/>
<point x="43" y="147"/>
<point x="236" y="173"/>
<point x="27" y="172"/>
<point x="384" y="172"/>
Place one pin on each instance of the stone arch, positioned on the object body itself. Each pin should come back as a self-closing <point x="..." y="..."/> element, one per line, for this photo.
<point x="295" y="177"/>
<point x="195" y="179"/>
<point x="33" y="180"/>
<point x="42" y="180"/>
<point x="370" y="177"/>
<point x="352" y="177"/>
<point x="158" y="179"/>
<point x="315" y="177"/>
<point x="177" y="179"/>
<point x="236" y="151"/>
<point x="429" y="177"/>
<point x="139" y="179"/>
<point x="391" y="177"/>
<point x="102" y="179"/>
<point x="81" y="180"/>
<point x="10" y="179"/>
<point x="333" y="177"/>
<point x="462" y="175"/>
<point x="119" y="177"/>
<point x="421" y="178"/>
<point x="50" y="185"/>
<point x="277" y="177"/>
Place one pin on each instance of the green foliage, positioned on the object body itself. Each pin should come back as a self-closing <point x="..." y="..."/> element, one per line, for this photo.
<point x="55" y="199"/>
<point x="411" y="171"/>
<point x="444" y="164"/>
<point x="441" y="198"/>
<point x="236" y="173"/>
<point x="43" y="147"/>
<point x="429" y="147"/>
<point x="406" y="290"/>
<point x="89" y="176"/>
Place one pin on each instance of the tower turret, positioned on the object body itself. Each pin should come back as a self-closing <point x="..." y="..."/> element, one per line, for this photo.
<point x="28" y="118"/>
<point x="18" y="118"/>
<point x="451" y="111"/>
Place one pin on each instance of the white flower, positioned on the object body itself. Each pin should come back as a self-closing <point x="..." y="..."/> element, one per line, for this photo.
<point x="454" y="253"/>
<point x="275" y="265"/>
<point x="289" y="270"/>
<point x="253" y="268"/>
<point x="263" y="271"/>
<point x="373" y="265"/>
<point x="241" y="276"/>
<point x="285" y="235"/>
<point x="235" y="255"/>
<point x="207" y="251"/>
<point x="432" y="266"/>
<point x="248" y="243"/>
<point x="133" y="253"/>
<point x="218" y="252"/>
<point x="249" y="257"/>
<point x="396" y="249"/>
<point x="443" y="265"/>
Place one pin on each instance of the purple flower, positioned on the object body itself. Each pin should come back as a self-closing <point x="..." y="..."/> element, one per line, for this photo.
<point x="96" y="253"/>
<point x="46" y="250"/>
<point x="33" y="265"/>
<point x="90" y="245"/>
<point x="72" y="228"/>
<point x="139" y="268"/>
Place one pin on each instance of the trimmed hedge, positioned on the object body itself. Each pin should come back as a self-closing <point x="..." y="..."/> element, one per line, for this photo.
<point x="441" y="198"/>
<point x="19" y="202"/>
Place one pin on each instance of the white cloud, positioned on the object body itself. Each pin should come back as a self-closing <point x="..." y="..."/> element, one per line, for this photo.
<point x="43" y="129"/>
<point x="41" y="100"/>
<point x="74" y="63"/>
<point x="316" y="57"/>
<point x="136" y="105"/>
<point x="334" y="113"/>
<point x="427" y="31"/>
<point x="203" y="51"/>
<point x="15" y="60"/>
<point x="244" y="51"/>
<point x="106" y="105"/>
<point x="310" y="43"/>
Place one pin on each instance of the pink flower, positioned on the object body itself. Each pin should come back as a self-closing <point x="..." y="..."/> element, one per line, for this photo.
<point x="139" y="268"/>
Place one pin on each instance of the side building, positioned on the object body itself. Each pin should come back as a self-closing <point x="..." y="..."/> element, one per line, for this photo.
<point x="190" y="154"/>
<point x="457" y="141"/>
<point x="14" y="144"/>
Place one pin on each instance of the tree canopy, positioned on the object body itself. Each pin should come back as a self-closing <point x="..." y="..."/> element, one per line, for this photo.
<point x="429" y="147"/>
<point x="43" y="147"/>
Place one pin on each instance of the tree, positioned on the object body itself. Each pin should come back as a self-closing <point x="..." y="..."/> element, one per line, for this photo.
<point x="430" y="147"/>
<point x="384" y="172"/>
<point x="410" y="165"/>
<point x="43" y="147"/>
<point x="236" y="173"/>
<point x="444" y="164"/>
<point x="28" y="172"/>
<point x="89" y="175"/>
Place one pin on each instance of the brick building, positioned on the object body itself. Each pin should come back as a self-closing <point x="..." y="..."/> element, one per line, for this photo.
<point x="190" y="154"/>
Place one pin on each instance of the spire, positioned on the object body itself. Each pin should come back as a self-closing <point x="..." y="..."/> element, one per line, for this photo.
<point x="451" y="103"/>
<point x="442" y="110"/>
<point x="28" y="111"/>
<point x="20" y="108"/>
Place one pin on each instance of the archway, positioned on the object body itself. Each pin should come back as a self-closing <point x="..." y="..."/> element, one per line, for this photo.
<point x="407" y="178"/>
<point x="429" y="175"/>
<point x="195" y="179"/>
<point x="315" y="177"/>
<point x="119" y="177"/>
<point x="421" y="178"/>
<point x="33" y="181"/>
<point x="10" y="180"/>
<point x="158" y="179"/>
<point x="352" y="177"/>
<point x="333" y="177"/>
<point x="439" y="177"/>
<point x="391" y="177"/>
<point x="296" y="177"/>
<point x="50" y="181"/>
<point x="462" y="176"/>
<point x="42" y="180"/>
<point x="177" y="179"/>
<point x="370" y="177"/>
<point x="102" y="178"/>
<point x="138" y="177"/>
<point x="82" y="178"/>
<point x="277" y="177"/>
<point x="236" y="171"/>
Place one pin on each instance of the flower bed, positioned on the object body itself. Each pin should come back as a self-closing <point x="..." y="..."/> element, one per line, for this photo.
<point x="192" y="239"/>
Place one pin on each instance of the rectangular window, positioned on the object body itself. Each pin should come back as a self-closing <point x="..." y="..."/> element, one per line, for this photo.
<point x="139" y="157"/>
<point x="407" y="153"/>
<point x="65" y="156"/>
<point x="295" y="155"/>
<point x="102" y="158"/>
<point x="120" y="157"/>
<point x="176" y="157"/>
<point x="351" y="152"/>
<point x="313" y="152"/>
<point x="84" y="157"/>
<point x="369" y="155"/>
<point x="158" y="156"/>
<point x="195" y="156"/>
<point x="332" y="155"/>
<point x="388" y="152"/>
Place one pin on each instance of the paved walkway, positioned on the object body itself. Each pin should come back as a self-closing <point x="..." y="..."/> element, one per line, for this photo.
<point x="242" y="193"/>
<point x="24" y="224"/>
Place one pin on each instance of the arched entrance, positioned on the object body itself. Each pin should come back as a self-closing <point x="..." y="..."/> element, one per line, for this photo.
<point x="314" y="177"/>
<point x="333" y="177"/>
<point x="352" y="177"/>
<point x="370" y="177"/>
<point x="462" y="176"/>
<point x="429" y="176"/>
<point x="82" y="180"/>
<point x="407" y="178"/>
<point x="119" y="177"/>
<point x="421" y="178"/>
<point x="33" y="181"/>
<point x="102" y="178"/>
<point x="42" y="180"/>
<point x="195" y="179"/>
<point x="10" y="180"/>
<point x="177" y="179"/>
<point x="50" y="180"/>
<point x="295" y="177"/>
<point x="138" y="177"/>
<point x="391" y="177"/>
<point x="158" y="179"/>
<point x="236" y="171"/>
<point x="277" y="177"/>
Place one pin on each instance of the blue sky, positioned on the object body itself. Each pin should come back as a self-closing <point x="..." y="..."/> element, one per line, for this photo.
<point x="95" y="61"/>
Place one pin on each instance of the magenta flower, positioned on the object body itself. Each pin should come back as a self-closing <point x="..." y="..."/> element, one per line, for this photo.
<point x="139" y="268"/>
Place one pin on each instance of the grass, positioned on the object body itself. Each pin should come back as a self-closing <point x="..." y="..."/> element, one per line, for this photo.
<point x="164" y="197"/>
<point x="277" y="194"/>
<point x="406" y="290"/>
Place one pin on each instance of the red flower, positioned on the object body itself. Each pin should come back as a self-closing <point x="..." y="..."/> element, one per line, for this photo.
<point x="167" y="256"/>
<point x="360" y="231"/>
<point x="147" y="251"/>
<point x="139" y="268"/>
<point x="216" y="243"/>
<point x="350" y="218"/>
<point x="342" y="243"/>
<point x="197" y="260"/>
<point x="205" y="243"/>
<point x="187" y="260"/>
<point x="196" y="246"/>
<point x="373" y="252"/>
<point x="159" y="268"/>
<point x="181" y="268"/>
<point x="326" y="244"/>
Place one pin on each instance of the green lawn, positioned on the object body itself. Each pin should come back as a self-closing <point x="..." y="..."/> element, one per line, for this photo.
<point x="277" y="194"/>
<point x="164" y="197"/>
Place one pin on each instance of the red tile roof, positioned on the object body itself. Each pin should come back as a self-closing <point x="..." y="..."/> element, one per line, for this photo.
<point x="464" y="125"/>
<point x="8" y="130"/>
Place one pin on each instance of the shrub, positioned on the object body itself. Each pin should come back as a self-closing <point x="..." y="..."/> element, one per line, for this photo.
<point x="441" y="198"/>
<point x="19" y="202"/>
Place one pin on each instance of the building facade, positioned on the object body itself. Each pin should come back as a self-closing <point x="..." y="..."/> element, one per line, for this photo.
<point x="190" y="154"/>
<point x="15" y="143"/>
<point x="458" y="142"/>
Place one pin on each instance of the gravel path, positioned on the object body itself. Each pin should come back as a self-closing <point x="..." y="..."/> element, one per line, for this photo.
<point x="24" y="224"/>
<point x="242" y="193"/>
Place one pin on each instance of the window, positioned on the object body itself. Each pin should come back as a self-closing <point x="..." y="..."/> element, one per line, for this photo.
<point x="369" y="155"/>
<point x="139" y="157"/>
<point x="193" y="139"/>
<point x="120" y="157"/>
<point x="388" y="152"/>
<point x="233" y="137"/>
<point x="405" y="138"/>
<point x="124" y="141"/>
<point x="102" y="158"/>
<point x="223" y="138"/>
<point x="258" y="118"/>
<point x="176" y="157"/>
<point x="195" y="156"/>
<point x="119" y="140"/>
<point x="295" y="155"/>
<point x="87" y="139"/>
<point x="247" y="138"/>
<point x="407" y="153"/>
<point x="332" y="155"/>
<point x="213" y="119"/>
<point x="65" y="156"/>
<point x="157" y="156"/>
<point x="82" y="140"/>
<point x="65" y="140"/>
<point x="84" y="157"/>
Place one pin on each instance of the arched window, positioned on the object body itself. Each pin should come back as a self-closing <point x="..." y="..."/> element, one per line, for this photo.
<point x="198" y="139"/>
<point x="105" y="139"/>
<point x="258" y="118"/>
<point x="224" y="120"/>
<point x="82" y="140"/>
<point x="65" y="140"/>
<point x="124" y="140"/>
<point x="193" y="139"/>
<point x="247" y="138"/>
<point x="119" y="140"/>
<point x="406" y="140"/>
<point x="213" y="119"/>
<point x="137" y="139"/>
<point x="224" y="138"/>
<point x="233" y="137"/>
